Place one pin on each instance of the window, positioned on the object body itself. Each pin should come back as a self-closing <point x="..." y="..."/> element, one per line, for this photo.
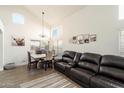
<point x="121" y="12"/>
<point x="56" y="32"/>
<point x="56" y="36"/>
<point x="17" y="18"/>
<point x="121" y="42"/>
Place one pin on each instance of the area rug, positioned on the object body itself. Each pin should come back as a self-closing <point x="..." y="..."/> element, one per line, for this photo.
<point x="54" y="80"/>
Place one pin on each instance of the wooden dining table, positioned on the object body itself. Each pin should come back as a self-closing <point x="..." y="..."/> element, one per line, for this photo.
<point x="38" y="57"/>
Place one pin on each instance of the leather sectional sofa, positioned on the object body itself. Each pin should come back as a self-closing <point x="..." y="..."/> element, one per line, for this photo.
<point x="92" y="70"/>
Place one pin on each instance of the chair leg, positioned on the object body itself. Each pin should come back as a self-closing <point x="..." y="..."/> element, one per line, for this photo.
<point x="46" y="66"/>
<point x="36" y="65"/>
<point x="51" y="64"/>
<point x="42" y="65"/>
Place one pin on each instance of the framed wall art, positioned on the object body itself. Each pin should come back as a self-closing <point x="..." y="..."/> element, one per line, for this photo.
<point x="83" y="38"/>
<point x="93" y="38"/>
<point x="17" y="41"/>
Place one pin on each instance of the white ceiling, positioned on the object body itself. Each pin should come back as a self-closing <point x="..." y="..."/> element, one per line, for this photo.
<point x="53" y="13"/>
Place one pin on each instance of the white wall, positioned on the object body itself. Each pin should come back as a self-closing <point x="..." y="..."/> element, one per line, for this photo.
<point x="1" y="50"/>
<point x="30" y="30"/>
<point x="1" y="45"/>
<point x="100" y="20"/>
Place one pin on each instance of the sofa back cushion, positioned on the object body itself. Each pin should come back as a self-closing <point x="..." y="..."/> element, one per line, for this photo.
<point x="112" y="66"/>
<point x="68" y="56"/>
<point x="90" y="61"/>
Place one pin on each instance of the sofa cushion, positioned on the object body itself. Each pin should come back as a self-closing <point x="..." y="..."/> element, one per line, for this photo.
<point x="88" y="66"/>
<point x="112" y="72"/>
<point x="69" y="54"/>
<point x="90" y="61"/>
<point x="114" y="61"/>
<point x="112" y="66"/>
<point x="91" y="57"/>
<point x="103" y="81"/>
<point x="81" y="74"/>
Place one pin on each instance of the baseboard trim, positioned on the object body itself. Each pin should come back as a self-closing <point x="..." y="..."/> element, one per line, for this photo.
<point x="21" y="64"/>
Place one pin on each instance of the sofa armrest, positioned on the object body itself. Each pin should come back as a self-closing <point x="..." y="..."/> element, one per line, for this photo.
<point x="72" y="64"/>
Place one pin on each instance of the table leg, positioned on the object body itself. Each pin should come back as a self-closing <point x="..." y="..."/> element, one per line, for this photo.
<point x="45" y="65"/>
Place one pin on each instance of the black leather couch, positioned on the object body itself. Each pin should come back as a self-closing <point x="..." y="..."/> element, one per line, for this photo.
<point x="92" y="70"/>
<point x="111" y="73"/>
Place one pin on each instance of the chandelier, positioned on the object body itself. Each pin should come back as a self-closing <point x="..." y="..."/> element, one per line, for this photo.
<point x="42" y="21"/>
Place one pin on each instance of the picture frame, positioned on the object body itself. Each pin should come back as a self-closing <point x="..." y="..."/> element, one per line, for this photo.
<point x="86" y="38"/>
<point x="93" y="38"/>
<point x="83" y="38"/>
<point x="80" y="39"/>
<point x="17" y="40"/>
<point x="35" y="44"/>
<point x="74" y="39"/>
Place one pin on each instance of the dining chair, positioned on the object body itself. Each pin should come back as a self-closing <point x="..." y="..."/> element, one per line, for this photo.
<point x="31" y="61"/>
<point x="48" y="60"/>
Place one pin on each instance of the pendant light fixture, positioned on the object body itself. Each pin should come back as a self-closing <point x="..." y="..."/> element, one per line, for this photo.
<point x="42" y="35"/>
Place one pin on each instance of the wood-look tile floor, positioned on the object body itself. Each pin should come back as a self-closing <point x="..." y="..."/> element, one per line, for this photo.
<point x="13" y="78"/>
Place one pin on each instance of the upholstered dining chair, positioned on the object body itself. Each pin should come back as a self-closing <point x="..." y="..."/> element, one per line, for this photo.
<point x="30" y="61"/>
<point x="48" y="60"/>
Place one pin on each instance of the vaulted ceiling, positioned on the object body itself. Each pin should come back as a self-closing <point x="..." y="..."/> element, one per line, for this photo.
<point x="54" y="13"/>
